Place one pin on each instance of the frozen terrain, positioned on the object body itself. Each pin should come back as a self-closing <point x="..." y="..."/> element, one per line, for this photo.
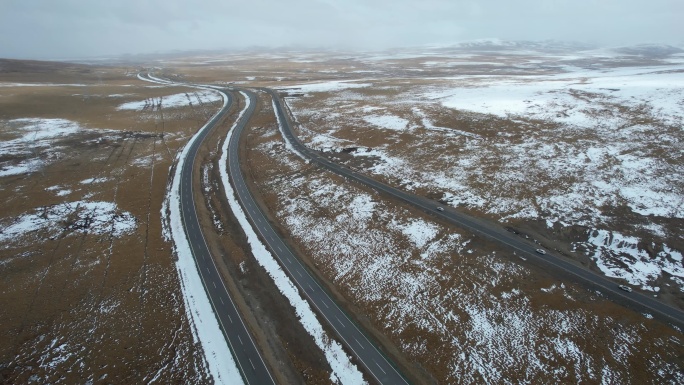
<point x="579" y="98"/>
<point x="65" y="219"/>
<point x="171" y="101"/>
<point x="620" y="256"/>
<point x="461" y="311"/>
<point x="28" y="144"/>
<point x="580" y="147"/>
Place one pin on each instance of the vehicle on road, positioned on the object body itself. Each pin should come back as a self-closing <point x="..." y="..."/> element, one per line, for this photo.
<point x="440" y="208"/>
<point x="625" y="288"/>
<point x="541" y="251"/>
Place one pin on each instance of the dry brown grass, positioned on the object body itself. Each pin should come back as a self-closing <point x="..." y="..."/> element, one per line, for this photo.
<point x="82" y="306"/>
<point x="599" y="323"/>
<point x="458" y="272"/>
<point x="87" y="307"/>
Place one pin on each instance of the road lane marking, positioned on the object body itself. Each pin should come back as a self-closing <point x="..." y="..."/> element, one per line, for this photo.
<point x="300" y="274"/>
<point x="221" y="298"/>
<point x="338" y="320"/>
<point x="378" y="365"/>
<point x="214" y="284"/>
<point x="357" y="341"/>
<point x="240" y="340"/>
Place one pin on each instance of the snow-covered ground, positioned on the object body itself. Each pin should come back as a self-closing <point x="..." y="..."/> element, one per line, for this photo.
<point x="388" y="122"/>
<point x="68" y="218"/>
<point x="459" y="311"/>
<point x="327" y="86"/>
<point x="619" y="256"/>
<point x="579" y="99"/>
<point x="563" y="148"/>
<point x="32" y="142"/>
<point x="172" y="101"/>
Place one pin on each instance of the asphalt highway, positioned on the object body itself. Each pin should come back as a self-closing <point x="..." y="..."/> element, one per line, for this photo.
<point x="521" y="247"/>
<point x="368" y="355"/>
<point x="246" y="355"/>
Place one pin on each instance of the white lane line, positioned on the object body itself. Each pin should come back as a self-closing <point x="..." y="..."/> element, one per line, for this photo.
<point x="300" y="274"/>
<point x="325" y="304"/>
<point x="214" y="284"/>
<point x="338" y="320"/>
<point x="279" y="249"/>
<point x="240" y="340"/>
<point x="357" y="341"/>
<point x="378" y="365"/>
<point x="250" y="361"/>
<point x="221" y="298"/>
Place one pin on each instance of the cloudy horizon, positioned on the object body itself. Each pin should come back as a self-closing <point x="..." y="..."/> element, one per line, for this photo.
<point x="38" y="29"/>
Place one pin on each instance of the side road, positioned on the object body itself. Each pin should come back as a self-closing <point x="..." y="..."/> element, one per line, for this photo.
<point x="365" y="351"/>
<point x="247" y="357"/>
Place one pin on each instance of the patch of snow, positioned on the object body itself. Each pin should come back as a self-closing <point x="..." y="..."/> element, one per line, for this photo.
<point x="94" y="180"/>
<point x="173" y="101"/>
<point x="324" y="142"/>
<point x="331" y="86"/>
<point x="35" y="141"/>
<point x="36" y="133"/>
<point x="620" y="256"/>
<point x="368" y="109"/>
<point x="23" y="167"/>
<point x="147" y="161"/>
<point x="361" y="208"/>
<point x="419" y="232"/>
<point x="67" y="218"/>
<point x="388" y="122"/>
<point x="62" y="193"/>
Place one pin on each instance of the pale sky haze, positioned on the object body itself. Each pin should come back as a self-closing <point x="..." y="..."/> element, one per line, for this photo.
<point x="54" y="29"/>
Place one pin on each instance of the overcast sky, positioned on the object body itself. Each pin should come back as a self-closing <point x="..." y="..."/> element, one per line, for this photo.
<point x="46" y="29"/>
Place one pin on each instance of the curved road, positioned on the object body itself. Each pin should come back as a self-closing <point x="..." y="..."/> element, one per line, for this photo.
<point x="246" y="355"/>
<point x="634" y="300"/>
<point x="368" y="355"/>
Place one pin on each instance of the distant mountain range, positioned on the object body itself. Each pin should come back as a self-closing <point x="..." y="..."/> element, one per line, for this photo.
<point x="554" y="46"/>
